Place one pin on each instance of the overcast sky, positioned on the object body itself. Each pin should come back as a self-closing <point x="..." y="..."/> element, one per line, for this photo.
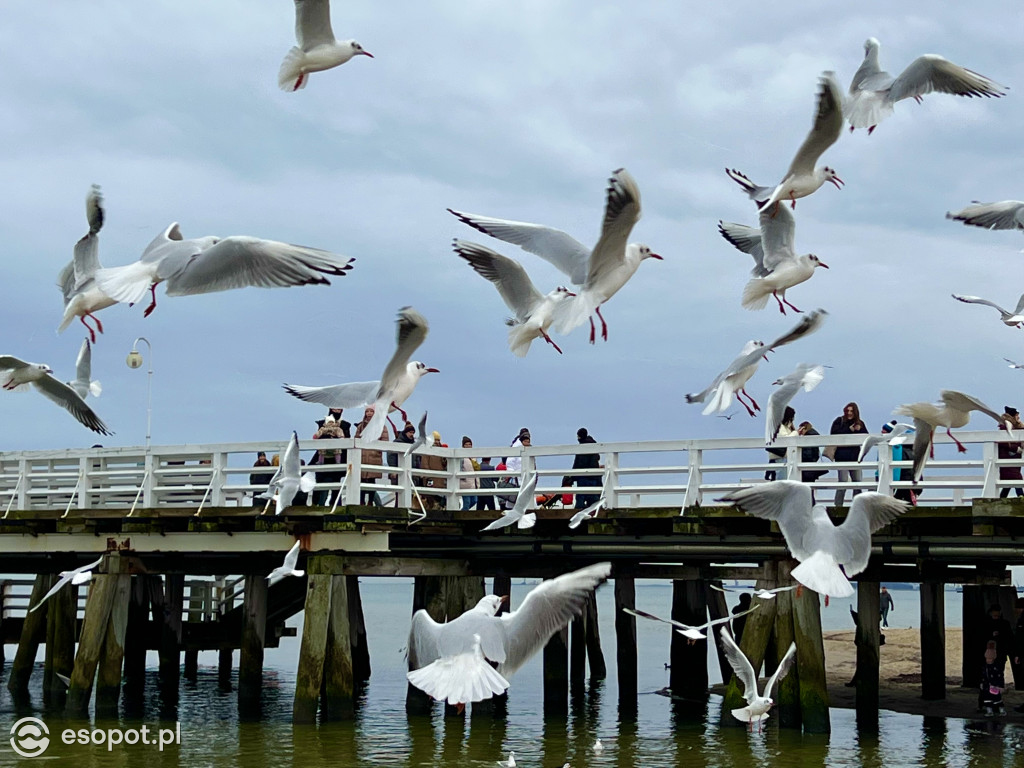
<point x="518" y="110"/>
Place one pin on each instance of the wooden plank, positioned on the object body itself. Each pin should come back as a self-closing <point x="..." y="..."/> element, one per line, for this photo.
<point x="250" y="656"/>
<point x="313" y="648"/>
<point x="933" y="640"/>
<point x="33" y="632"/>
<point x="98" y="605"/>
<point x="625" y="647"/>
<point x="338" y="701"/>
<point x="810" y="660"/>
<point x="108" y="678"/>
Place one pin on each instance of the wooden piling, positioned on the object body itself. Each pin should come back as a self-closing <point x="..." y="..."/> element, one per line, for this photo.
<point x="689" y="674"/>
<point x="592" y="628"/>
<point x="754" y="643"/>
<point x="313" y="648"/>
<point x="973" y="646"/>
<point x="224" y="664"/>
<point x="102" y="592"/>
<point x="577" y="656"/>
<point x="718" y="608"/>
<point x="250" y="657"/>
<point x="933" y="640"/>
<point x="108" y="678"/>
<point x="136" y="642"/>
<point x="556" y="674"/>
<point x="810" y="659"/>
<point x="358" y="641"/>
<point x="625" y="646"/>
<point x="61" y="634"/>
<point x="868" y="639"/>
<point x="338" y="702"/>
<point x="33" y="632"/>
<point x="787" y="693"/>
<point x="167" y="601"/>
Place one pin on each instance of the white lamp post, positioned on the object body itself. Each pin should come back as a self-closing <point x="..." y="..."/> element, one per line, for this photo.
<point x="134" y="360"/>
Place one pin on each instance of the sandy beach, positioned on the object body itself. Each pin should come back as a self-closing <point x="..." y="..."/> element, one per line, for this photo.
<point x="900" y="676"/>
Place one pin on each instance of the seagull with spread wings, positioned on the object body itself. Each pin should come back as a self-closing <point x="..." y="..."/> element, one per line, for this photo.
<point x="76" y="577"/>
<point x="758" y="704"/>
<point x="317" y="49"/>
<point x="16" y="375"/>
<point x="452" y="660"/>
<point x="518" y="514"/>
<point x="287" y="568"/>
<point x="396" y="385"/>
<point x="84" y="385"/>
<point x="806" y="376"/>
<point x="813" y="539"/>
<point x="77" y="281"/>
<point x="1006" y="214"/>
<point x="289" y="479"/>
<point x="1012" y="319"/>
<point x="691" y="633"/>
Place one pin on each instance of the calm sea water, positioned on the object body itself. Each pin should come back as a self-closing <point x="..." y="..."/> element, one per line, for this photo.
<point x="665" y="733"/>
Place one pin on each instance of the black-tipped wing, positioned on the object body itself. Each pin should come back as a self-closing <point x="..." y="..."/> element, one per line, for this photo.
<point x="412" y="330"/>
<point x="68" y="399"/>
<point x="621" y="213"/>
<point x="513" y="284"/>
<point x="1006" y="214"/>
<point x="828" y="124"/>
<point x="930" y="73"/>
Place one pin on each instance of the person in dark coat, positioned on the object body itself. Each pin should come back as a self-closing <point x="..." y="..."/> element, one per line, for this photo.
<point x="1010" y="450"/>
<point x="486" y="483"/>
<point x="998" y="630"/>
<point x="1017" y="665"/>
<point x="585" y="461"/>
<point x="990" y="697"/>
<point x="848" y="424"/>
<point x="739" y="622"/>
<point x="809" y="453"/>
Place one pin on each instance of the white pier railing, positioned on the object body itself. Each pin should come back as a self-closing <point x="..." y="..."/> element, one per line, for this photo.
<point x="663" y="473"/>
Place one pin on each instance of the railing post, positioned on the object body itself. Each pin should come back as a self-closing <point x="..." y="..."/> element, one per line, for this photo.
<point x="84" y="481"/>
<point x="405" y="461"/>
<point x="793" y="454"/>
<point x="23" y="484"/>
<point x="355" y="476"/>
<point x="990" y="454"/>
<point x="148" y="480"/>
<point x="885" y="469"/>
<point x="611" y="489"/>
<point x="454" y="501"/>
<point x="693" y="478"/>
<point x="218" y="479"/>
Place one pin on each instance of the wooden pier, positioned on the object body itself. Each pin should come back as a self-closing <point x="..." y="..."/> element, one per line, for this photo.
<point x="186" y="552"/>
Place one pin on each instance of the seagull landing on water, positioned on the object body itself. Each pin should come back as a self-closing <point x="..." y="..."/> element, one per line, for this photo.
<point x="1012" y="319"/>
<point x="451" y="661"/>
<point x="396" y="385"/>
<point x="76" y="577"/>
<point x="287" y="568"/>
<point x="602" y="271"/>
<point x="16" y="375"/>
<point x="77" y="281"/>
<point x="874" y="92"/>
<point x="317" y="49"/>
<point x="802" y="178"/>
<point x="83" y="383"/>
<point x="820" y="546"/>
<point x="953" y="412"/>
<point x="692" y="634"/>
<point x="518" y="514"/>
<point x="1006" y="214"/>
<point x="757" y="704"/>
<point x="533" y="313"/>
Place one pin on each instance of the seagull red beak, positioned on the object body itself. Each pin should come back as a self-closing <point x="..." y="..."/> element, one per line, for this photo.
<point x="365" y="53"/>
<point x="504" y="598"/>
<point x="823" y="264"/>
<point x="433" y="370"/>
<point x="656" y="256"/>
<point x="837" y="181"/>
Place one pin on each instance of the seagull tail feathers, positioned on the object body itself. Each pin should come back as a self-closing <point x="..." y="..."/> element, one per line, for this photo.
<point x="307" y="482"/>
<point x="290" y="76"/>
<point x="756" y="293"/>
<point x="127" y="284"/>
<point x="821" y="573"/>
<point x="95" y="388"/>
<point x="460" y="679"/>
<point x="573" y="313"/>
<point x="519" y="339"/>
<point x="744" y="715"/>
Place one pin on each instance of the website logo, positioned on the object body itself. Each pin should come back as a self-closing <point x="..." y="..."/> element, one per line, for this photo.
<point x="30" y="737"/>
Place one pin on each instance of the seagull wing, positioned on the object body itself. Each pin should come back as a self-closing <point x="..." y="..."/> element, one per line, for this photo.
<point x="930" y="73"/>
<point x="807" y="325"/>
<point x="549" y="607"/>
<point x="777" y="403"/>
<point x="870" y="442"/>
<point x="828" y="124"/>
<point x="66" y="579"/>
<point x="509" y="277"/>
<point x="979" y="300"/>
<point x="355" y="394"/>
<point x="412" y="330"/>
<point x="292" y="558"/>
<point x="313" y="23"/>
<point x="68" y="399"/>
<point x="621" y="213"/>
<point x="740" y="665"/>
<point x="83" y="370"/>
<point x="291" y="464"/>
<point x="869" y="512"/>
<point x="1007" y="214"/>
<point x="781" y="670"/>
<point x="966" y="403"/>
<point x="239" y="262"/>
<point x="785" y="501"/>
<point x="424" y="640"/>
<point x="566" y="253"/>
<point x="748" y="240"/>
<point x="778" y="232"/>
<point x="11" y="363"/>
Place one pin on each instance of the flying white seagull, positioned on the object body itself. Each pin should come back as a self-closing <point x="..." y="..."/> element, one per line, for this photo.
<point x="451" y="660"/>
<point x="802" y="178"/>
<point x="1013" y="364"/>
<point x="396" y="385"/>
<point x="287" y="568"/>
<point x="601" y="272"/>
<point x="691" y="633"/>
<point x="953" y="412"/>
<point x="874" y="92"/>
<point x="780" y="264"/>
<point x="1006" y="214"/>
<point x="421" y="436"/>
<point x="758" y="705"/>
<point x="83" y="383"/>
<point x="588" y="513"/>
<point x="82" y="296"/>
<point x="317" y="49"/>
<point x="77" y="577"/>
<point x="533" y="313"/>
<point x="1011" y="319"/>
<point x="209" y="264"/>
<point x="806" y="376"/>
<point x="760" y="592"/>
<point x="812" y="538"/>
<point x="289" y="478"/>
<point x="518" y="514"/>
<point x="897" y="436"/>
<point x="16" y="375"/>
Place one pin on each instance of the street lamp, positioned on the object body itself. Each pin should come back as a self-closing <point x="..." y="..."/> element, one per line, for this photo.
<point x="134" y="360"/>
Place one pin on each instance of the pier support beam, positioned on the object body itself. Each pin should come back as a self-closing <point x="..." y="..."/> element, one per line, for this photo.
<point x="718" y="608"/>
<point x="810" y="660"/>
<point x="136" y="641"/>
<point x="933" y="640"/>
<point x="250" y="660"/>
<point x="868" y="639"/>
<point x="973" y="647"/>
<point x="33" y="632"/>
<point x="61" y="631"/>
<point x="595" y="656"/>
<point x="577" y="656"/>
<point x="689" y="674"/>
<point x="167" y="602"/>
<point x="754" y="643"/>
<point x="787" y="692"/>
<point x="625" y="647"/>
<point x="224" y="662"/>
<point x="556" y="674"/>
<point x="360" y="648"/>
<point x="313" y="648"/>
<point x="108" y="678"/>
<point x="338" y="696"/>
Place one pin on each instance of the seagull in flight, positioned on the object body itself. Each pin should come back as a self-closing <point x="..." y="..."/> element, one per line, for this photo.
<point x="76" y="577"/>
<point x="452" y="660"/>
<point x="803" y="178"/>
<point x="289" y="478"/>
<point x="533" y="313"/>
<point x="1006" y="214"/>
<point x="820" y="546"/>
<point x="1011" y="319"/>
<point x="588" y="513"/>
<point x="757" y="704"/>
<point x="317" y="49"/>
<point x="953" y="412"/>
<point x="396" y="385"/>
<point x="83" y="383"/>
<point x="1013" y="364"/>
<point x="421" y="436"/>
<point x="806" y="376"/>
<point x="600" y="272"/>
<point x="874" y="92"/>
<point x="16" y="375"/>
<point x="210" y="264"/>
<point x="518" y="514"/>
<point x="77" y="281"/>
<point x="287" y="568"/>
<point x="692" y="634"/>
<point x="764" y="594"/>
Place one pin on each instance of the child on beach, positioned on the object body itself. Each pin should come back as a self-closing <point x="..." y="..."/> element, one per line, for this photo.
<point x="990" y="697"/>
